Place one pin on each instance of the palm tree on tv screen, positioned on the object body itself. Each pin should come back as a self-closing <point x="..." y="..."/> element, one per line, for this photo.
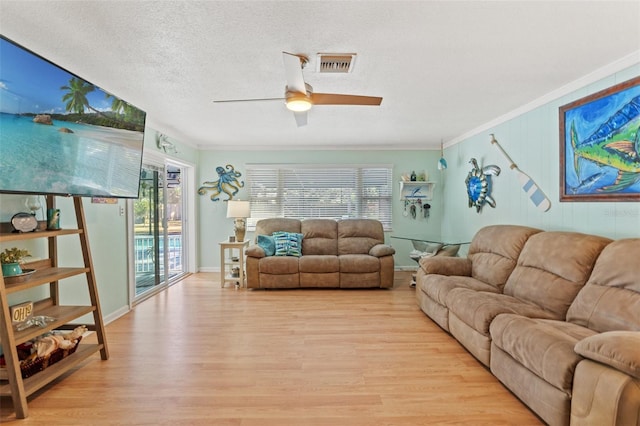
<point x="76" y="97"/>
<point x="131" y="113"/>
<point x="77" y="102"/>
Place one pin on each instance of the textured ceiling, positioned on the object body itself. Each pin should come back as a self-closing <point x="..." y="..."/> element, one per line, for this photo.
<point x="443" y="68"/>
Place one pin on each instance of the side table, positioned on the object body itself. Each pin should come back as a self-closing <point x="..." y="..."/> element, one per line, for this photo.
<point x="232" y="255"/>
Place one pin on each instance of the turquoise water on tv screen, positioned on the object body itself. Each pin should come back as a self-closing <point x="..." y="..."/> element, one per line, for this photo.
<point x="93" y="160"/>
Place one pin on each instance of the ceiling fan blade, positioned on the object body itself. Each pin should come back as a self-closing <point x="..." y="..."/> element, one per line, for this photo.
<point x="248" y="100"/>
<point x="293" y="70"/>
<point x="337" y="99"/>
<point x="301" y="118"/>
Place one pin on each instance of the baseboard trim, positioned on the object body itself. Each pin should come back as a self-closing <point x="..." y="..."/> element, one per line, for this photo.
<point x="116" y="314"/>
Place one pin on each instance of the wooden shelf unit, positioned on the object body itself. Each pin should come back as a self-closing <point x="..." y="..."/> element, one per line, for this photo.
<point x="47" y="272"/>
<point x="228" y="251"/>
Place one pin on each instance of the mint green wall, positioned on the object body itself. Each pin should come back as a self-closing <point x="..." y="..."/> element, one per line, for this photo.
<point x="532" y="141"/>
<point x="107" y="239"/>
<point x="185" y="153"/>
<point x="215" y="227"/>
<point x="107" y="231"/>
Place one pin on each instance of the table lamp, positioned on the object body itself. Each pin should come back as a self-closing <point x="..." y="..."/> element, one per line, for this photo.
<point x="239" y="210"/>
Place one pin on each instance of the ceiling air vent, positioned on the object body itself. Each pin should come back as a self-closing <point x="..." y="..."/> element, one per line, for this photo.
<point x="340" y="63"/>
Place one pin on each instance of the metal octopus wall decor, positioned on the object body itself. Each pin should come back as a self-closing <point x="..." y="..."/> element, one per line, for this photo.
<point x="478" y="184"/>
<point x="227" y="182"/>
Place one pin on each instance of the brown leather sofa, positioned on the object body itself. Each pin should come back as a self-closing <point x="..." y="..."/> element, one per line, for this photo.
<point x="562" y="331"/>
<point x="348" y="253"/>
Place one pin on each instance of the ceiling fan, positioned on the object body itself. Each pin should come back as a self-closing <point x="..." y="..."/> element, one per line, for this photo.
<point x="299" y="96"/>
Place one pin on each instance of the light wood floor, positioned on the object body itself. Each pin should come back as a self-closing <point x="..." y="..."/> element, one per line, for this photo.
<point x="197" y="354"/>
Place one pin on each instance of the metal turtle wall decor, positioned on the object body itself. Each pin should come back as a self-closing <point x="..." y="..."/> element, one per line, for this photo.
<point x="478" y="184"/>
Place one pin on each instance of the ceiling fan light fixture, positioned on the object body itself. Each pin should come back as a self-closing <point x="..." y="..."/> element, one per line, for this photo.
<point x="298" y="102"/>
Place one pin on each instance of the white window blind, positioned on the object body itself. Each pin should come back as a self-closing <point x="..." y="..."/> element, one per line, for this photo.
<point x="326" y="192"/>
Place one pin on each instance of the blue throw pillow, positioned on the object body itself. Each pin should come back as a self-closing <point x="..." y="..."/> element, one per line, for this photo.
<point x="268" y="244"/>
<point x="288" y="243"/>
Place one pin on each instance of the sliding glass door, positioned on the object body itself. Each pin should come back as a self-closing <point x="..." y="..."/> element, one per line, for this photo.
<point x="158" y="228"/>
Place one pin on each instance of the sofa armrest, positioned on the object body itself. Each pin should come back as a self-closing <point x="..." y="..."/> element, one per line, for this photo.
<point x="255" y="251"/>
<point x="440" y="265"/>
<point x="617" y="349"/>
<point x="603" y="396"/>
<point x="381" y="250"/>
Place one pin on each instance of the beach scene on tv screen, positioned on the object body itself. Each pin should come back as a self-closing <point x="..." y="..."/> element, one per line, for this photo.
<point x="61" y="134"/>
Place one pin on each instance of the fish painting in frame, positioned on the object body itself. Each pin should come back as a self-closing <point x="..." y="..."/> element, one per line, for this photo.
<point x="600" y="145"/>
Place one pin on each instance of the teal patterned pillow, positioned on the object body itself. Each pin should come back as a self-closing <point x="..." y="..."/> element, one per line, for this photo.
<point x="288" y="243"/>
<point x="268" y="244"/>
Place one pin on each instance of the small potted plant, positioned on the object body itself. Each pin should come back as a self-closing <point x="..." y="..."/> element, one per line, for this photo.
<point x="11" y="260"/>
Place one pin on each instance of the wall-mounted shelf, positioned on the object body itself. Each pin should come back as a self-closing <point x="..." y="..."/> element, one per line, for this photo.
<point x="416" y="190"/>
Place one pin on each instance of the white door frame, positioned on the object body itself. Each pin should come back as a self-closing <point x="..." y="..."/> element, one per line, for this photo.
<point x="189" y="218"/>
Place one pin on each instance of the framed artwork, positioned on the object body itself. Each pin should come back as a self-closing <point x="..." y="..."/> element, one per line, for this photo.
<point x="600" y="145"/>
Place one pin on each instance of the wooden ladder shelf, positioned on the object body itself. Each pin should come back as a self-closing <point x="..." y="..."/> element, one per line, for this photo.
<point x="47" y="272"/>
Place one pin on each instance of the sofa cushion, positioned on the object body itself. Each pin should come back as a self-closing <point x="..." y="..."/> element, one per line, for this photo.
<point x="553" y="267"/>
<point x="478" y="308"/>
<point x="618" y="349"/>
<point x="280" y="280"/>
<point x="288" y="244"/>
<point x="551" y="404"/>
<point x="358" y="263"/>
<point x="318" y="264"/>
<point x="494" y="251"/>
<point x="611" y="298"/>
<point x="437" y="287"/>
<point x="544" y="347"/>
<point x="359" y="280"/>
<point x="269" y="226"/>
<point x="359" y="236"/>
<point x="320" y="280"/>
<point x="320" y="237"/>
<point x="268" y="244"/>
<point x="278" y="265"/>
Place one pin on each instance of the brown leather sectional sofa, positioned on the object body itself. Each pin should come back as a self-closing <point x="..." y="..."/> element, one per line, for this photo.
<point x="555" y="316"/>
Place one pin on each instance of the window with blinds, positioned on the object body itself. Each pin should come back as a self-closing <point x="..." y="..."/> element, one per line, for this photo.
<point x="326" y="192"/>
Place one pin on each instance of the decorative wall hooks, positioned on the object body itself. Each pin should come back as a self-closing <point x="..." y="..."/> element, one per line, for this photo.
<point x="227" y="182"/>
<point x="478" y="184"/>
<point x="415" y="208"/>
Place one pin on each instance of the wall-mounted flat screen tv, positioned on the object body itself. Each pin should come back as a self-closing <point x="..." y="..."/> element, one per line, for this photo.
<point x="60" y="134"/>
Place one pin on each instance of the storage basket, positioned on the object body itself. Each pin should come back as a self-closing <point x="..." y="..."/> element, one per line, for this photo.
<point x="29" y="368"/>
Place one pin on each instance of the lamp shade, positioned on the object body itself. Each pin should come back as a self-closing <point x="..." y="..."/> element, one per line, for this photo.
<point x="237" y="209"/>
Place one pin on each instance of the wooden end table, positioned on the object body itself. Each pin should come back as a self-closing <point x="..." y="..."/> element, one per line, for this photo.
<point x="228" y="259"/>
